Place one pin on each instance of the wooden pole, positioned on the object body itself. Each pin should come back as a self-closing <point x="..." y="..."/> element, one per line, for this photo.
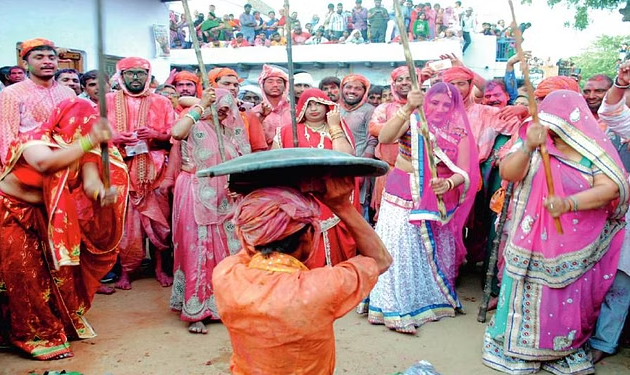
<point x="102" y="105"/>
<point x="287" y="28"/>
<point x="533" y="110"/>
<point x="424" y="128"/>
<point x="494" y="255"/>
<point x="204" y="76"/>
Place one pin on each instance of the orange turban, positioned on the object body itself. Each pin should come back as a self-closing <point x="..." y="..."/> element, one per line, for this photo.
<point x="458" y="73"/>
<point x="551" y="84"/>
<point x="185" y="75"/>
<point x="28" y="45"/>
<point x="366" y="84"/>
<point x="215" y="74"/>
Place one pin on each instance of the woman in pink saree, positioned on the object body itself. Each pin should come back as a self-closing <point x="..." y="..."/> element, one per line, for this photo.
<point x="427" y="248"/>
<point x="553" y="285"/>
<point x="202" y="234"/>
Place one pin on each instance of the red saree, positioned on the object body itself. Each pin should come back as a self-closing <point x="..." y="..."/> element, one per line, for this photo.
<point x="336" y="244"/>
<point x="52" y="255"/>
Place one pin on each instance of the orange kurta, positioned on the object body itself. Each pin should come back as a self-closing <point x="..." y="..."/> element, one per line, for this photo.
<point x="281" y="319"/>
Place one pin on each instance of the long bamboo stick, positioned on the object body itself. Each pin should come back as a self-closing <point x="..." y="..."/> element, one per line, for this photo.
<point x="533" y="110"/>
<point x="204" y="76"/>
<point x="102" y="105"/>
<point x="424" y="127"/>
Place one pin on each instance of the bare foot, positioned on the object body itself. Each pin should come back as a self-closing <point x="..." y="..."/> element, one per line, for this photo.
<point x="124" y="282"/>
<point x="104" y="289"/>
<point x="160" y="275"/>
<point x="197" y="327"/>
<point x="408" y="329"/>
<point x="598" y="355"/>
<point x="164" y="279"/>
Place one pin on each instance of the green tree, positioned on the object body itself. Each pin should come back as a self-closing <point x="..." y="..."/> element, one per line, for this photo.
<point x="600" y="56"/>
<point x="582" y="7"/>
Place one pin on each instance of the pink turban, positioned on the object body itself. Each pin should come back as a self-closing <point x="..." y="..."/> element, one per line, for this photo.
<point x="131" y="63"/>
<point x="458" y="73"/>
<point x="271" y="214"/>
<point x="551" y="84"/>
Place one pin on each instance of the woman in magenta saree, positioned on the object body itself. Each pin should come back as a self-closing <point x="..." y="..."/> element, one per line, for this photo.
<point x="59" y="230"/>
<point x="427" y="248"/>
<point x="553" y="285"/>
<point x="202" y="234"/>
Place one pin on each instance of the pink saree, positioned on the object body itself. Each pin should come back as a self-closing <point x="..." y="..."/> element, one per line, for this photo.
<point x="202" y="234"/>
<point x="553" y="285"/>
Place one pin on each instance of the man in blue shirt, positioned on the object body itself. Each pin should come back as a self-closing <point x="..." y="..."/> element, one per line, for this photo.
<point x="248" y="24"/>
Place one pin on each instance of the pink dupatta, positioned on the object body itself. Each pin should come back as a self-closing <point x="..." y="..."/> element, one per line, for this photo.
<point x="455" y="152"/>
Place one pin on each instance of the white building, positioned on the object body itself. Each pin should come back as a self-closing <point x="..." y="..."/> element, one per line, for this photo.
<point x="128" y="31"/>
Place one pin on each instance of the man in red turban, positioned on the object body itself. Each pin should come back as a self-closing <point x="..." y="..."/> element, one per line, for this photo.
<point x="26" y="105"/>
<point x="551" y="84"/>
<point x="275" y="110"/>
<point x="141" y="123"/>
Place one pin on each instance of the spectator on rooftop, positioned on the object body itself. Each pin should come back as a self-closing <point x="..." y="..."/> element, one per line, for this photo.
<point x="421" y="28"/>
<point x="239" y="41"/>
<point x="277" y="40"/>
<point x="261" y="40"/>
<point x="359" y="18"/>
<point x="248" y="24"/>
<point x="271" y="26"/>
<point x="355" y="38"/>
<point x="378" y="17"/>
<point x="318" y="38"/>
<point x="298" y="36"/>
<point x="344" y="36"/>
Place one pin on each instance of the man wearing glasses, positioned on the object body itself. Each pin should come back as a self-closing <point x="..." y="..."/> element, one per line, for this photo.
<point x="141" y="124"/>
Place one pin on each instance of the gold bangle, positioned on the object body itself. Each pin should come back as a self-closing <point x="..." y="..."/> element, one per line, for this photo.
<point x="402" y="115"/>
<point x="337" y="136"/>
<point x="450" y="183"/>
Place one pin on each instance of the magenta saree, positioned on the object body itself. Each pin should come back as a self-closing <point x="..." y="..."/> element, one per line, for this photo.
<point x="553" y="285"/>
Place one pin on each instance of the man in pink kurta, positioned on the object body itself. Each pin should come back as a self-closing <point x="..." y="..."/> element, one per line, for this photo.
<point x="26" y="105"/>
<point x="275" y="110"/>
<point x="141" y="122"/>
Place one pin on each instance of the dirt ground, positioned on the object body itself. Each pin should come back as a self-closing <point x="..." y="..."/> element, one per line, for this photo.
<point x="138" y="334"/>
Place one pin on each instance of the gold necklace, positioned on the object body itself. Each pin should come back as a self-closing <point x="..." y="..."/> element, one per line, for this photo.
<point x="322" y="134"/>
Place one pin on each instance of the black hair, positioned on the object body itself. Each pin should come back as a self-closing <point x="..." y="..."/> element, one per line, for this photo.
<point x="332" y="80"/>
<point x="238" y="34"/>
<point x="91" y="74"/>
<point x="375" y="90"/>
<point x="39" y="48"/>
<point x="286" y="245"/>
<point x="62" y="71"/>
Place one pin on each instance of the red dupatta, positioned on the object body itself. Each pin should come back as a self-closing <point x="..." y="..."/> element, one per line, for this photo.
<point x="71" y="119"/>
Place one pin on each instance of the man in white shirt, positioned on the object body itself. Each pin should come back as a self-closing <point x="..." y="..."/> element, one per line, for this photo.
<point x="468" y="27"/>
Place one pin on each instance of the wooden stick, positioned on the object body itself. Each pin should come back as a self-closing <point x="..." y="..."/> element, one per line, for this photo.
<point x="424" y="128"/>
<point x="494" y="255"/>
<point x="533" y="110"/>
<point x="287" y="28"/>
<point x="102" y="105"/>
<point x="204" y="76"/>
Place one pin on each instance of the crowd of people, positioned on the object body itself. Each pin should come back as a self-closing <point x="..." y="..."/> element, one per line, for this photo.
<point x="304" y="258"/>
<point x="423" y="21"/>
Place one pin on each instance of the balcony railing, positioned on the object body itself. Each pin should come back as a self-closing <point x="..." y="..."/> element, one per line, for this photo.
<point x="506" y="48"/>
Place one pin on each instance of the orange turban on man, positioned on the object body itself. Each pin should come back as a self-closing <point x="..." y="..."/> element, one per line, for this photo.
<point x="215" y="75"/>
<point x="459" y="73"/>
<point x="185" y="75"/>
<point x="366" y="85"/>
<point x="551" y="84"/>
<point x="28" y="45"/>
